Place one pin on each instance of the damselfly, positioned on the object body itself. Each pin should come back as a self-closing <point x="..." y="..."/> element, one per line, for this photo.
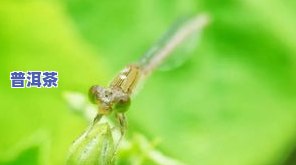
<point x="117" y="96"/>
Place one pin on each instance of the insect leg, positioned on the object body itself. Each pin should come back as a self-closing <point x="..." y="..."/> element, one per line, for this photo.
<point x="97" y="118"/>
<point x="122" y="125"/>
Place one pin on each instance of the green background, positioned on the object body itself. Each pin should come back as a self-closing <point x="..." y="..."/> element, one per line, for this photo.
<point x="233" y="102"/>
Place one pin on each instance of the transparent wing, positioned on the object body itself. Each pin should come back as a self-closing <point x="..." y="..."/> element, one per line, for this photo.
<point x="181" y="37"/>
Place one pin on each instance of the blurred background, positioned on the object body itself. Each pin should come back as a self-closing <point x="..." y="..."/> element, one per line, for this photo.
<point x="232" y="102"/>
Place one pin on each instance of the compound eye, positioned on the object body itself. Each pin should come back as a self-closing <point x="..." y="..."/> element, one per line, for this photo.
<point x="123" y="104"/>
<point x="93" y="93"/>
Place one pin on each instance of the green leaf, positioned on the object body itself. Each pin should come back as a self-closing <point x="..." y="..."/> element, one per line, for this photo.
<point x="94" y="147"/>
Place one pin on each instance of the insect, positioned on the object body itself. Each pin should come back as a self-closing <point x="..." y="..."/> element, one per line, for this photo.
<point x="117" y="96"/>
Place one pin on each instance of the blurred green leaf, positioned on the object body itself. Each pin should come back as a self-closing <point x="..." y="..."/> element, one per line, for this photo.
<point x="28" y="157"/>
<point x="38" y="35"/>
